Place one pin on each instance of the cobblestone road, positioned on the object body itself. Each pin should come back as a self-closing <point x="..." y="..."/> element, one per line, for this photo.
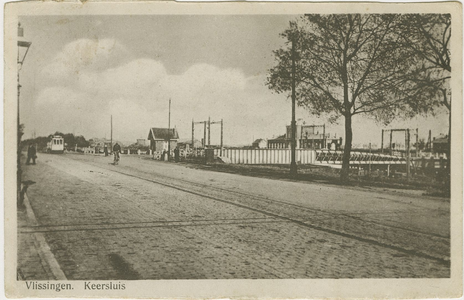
<point x="145" y="219"/>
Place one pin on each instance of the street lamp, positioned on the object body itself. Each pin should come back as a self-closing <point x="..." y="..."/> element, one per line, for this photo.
<point x="23" y="48"/>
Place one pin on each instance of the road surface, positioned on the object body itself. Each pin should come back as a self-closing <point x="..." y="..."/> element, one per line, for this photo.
<point x="145" y="219"/>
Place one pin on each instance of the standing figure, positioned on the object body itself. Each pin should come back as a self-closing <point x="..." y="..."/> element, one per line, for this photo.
<point x="31" y="154"/>
<point x="116" y="151"/>
<point x="176" y="154"/>
<point x="164" y="155"/>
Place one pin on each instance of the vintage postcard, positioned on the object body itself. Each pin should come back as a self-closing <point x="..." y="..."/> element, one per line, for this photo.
<point x="233" y="150"/>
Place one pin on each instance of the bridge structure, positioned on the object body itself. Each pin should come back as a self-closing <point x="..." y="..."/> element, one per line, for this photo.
<point x="360" y="159"/>
<point x="329" y="157"/>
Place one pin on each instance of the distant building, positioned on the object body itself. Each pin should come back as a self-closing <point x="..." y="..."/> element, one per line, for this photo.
<point x="440" y="145"/>
<point x="99" y="144"/>
<point x="160" y="137"/>
<point x="142" y="142"/>
<point x="259" y="144"/>
<point x="307" y="137"/>
<point x="281" y="142"/>
<point x="187" y="144"/>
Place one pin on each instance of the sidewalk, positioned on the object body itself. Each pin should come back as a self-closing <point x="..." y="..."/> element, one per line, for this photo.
<point x="30" y="264"/>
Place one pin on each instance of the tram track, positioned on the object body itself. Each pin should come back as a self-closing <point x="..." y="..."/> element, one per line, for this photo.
<point x="412" y="242"/>
<point x="330" y="214"/>
<point x="142" y="225"/>
<point x="400" y="248"/>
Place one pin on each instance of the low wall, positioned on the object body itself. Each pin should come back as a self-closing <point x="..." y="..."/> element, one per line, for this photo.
<point x="267" y="156"/>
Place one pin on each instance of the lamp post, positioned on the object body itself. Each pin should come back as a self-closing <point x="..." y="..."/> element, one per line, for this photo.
<point x="20" y="60"/>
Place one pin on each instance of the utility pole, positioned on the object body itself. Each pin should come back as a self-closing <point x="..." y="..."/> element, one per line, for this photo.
<point x="323" y="138"/>
<point x="381" y="144"/>
<point x="370" y="158"/>
<point x="169" y="131"/>
<point x="204" y="135"/>
<point x="391" y="138"/>
<point x="193" y="133"/>
<point x="293" y="169"/>
<point x="408" y="155"/>
<point x="222" y="134"/>
<point x="111" y="137"/>
<point x="417" y="142"/>
<point x="209" y="131"/>
<point x="428" y="146"/>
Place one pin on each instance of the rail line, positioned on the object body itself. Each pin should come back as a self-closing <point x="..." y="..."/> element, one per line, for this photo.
<point x="301" y="207"/>
<point x="141" y="225"/>
<point x="378" y="238"/>
<point x="441" y="260"/>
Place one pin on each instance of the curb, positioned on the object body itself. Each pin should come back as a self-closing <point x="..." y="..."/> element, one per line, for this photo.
<point x="43" y="249"/>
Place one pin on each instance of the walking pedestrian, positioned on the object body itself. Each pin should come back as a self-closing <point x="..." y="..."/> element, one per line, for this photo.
<point x="31" y="154"/>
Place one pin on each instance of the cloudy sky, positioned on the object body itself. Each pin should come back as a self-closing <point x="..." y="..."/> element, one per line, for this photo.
<point x="81" y="70"/>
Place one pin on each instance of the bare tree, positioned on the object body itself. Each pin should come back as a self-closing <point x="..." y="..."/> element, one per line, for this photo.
<point x="429" y="36"/>
<point x="348" y="65"/>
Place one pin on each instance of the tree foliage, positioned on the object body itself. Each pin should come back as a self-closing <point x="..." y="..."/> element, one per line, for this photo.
<point x="70" y="140"/>
<point x="351" y="64"/>
<point x="429" y="36"/>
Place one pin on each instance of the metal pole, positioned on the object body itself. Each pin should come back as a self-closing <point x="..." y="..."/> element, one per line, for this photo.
<point x="169" y="131"/>
<point x="209" y="131"/>
<point x="111" y="137"/>
<point x="193" y="134"/>
<point x="293" y="168"/>
<point x="204" y="134"/>
<point x="391" y="138"/>
<point x="323" y="138"/>
<point x="222" y="135"/>
<point x="18" y="171"/>
<point x="417" y="142"/>
<point x="408" y="154"/>
<point x="381" y="144"/>
<point x="370" y="157"/>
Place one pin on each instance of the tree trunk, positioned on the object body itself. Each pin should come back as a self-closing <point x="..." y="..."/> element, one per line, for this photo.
<point x="344" y="174"/>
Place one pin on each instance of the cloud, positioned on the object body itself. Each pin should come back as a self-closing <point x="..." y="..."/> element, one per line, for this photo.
<point x="136" y="92"/>
<point x="84" y="55"/>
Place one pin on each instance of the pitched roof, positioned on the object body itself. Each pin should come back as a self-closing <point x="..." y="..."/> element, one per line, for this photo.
<point x="163" y="134"/>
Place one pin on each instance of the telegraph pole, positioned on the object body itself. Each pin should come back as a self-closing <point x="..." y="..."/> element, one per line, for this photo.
<point x="381" y="144"/>
<point x="293" y="169"/>
<point x="204" y="135"/>
<point x="222" y="134"/>
<point x="169" y="131"/>
<point x="193" y="133"/>
<point x="408" y="155"/>
<point x="209" y="131"/>
<point x="111" y="137"/>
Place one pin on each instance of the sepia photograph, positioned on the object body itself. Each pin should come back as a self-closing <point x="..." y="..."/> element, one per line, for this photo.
<point x="240" y="144"/>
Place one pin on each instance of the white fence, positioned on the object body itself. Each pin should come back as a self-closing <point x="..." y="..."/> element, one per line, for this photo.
<point x="267" y="156"/>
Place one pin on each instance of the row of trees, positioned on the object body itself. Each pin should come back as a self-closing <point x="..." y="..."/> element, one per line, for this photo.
<point x="385" y="66"/>
<point x="69" y="139"/>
